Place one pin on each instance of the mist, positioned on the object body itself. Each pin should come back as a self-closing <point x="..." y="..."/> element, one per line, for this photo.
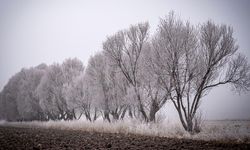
<point x="35" y="32"/>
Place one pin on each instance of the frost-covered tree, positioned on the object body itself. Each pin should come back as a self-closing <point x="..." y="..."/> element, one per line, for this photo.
<point x="107" y="82"/>
<point x="18" y="98"/>
<point x="74" y="95"/>
<point x="191" y="61"/>
<point x="53" y="88"/>
<point x="38" y="93"/>
<point x="117" y="90"/>
<point x="124" y="49"/>
<point x="96" y="72"/>
<point x="9" y="98"/>
<point x="84" y="97"/>
<point x="72" y="69"/>
<point x="154" y="94"/>
<point x="49" y="93"/>
<point x="27" y="100"/>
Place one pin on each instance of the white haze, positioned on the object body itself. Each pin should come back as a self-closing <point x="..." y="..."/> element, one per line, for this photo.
<point x="32" y="32"/>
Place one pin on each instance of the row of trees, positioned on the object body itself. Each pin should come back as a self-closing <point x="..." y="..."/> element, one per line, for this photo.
<point x="39" y="93"/>
<point x="135" y="75"/>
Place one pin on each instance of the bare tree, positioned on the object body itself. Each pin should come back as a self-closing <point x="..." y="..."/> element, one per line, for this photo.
<point x="50" y="95"/>
<point x="191" y="61"/>
<point x="125" y="48"/>
<point x="155" y="96"/>
<point x="8" y="98"/>
<point x="117" y="90"/>
<point x="80" y="99"/>
<point x="27" y="100"/>
<point x="72" y="69"/>
<point x="96" y="71"/>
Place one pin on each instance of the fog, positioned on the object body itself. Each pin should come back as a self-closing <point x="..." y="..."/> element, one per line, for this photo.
<point x="34" y="32"/>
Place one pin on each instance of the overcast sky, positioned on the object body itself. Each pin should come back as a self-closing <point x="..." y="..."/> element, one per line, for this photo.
<point x="47" y="31"/>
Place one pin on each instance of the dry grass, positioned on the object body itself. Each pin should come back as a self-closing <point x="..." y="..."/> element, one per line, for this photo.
<point x="238" y="131"/>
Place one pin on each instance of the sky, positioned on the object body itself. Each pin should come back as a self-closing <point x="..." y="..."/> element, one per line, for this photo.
<point x="47" y="31"/>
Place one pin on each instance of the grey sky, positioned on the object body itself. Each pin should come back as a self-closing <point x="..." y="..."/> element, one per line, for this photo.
<point x="32" y="32"/>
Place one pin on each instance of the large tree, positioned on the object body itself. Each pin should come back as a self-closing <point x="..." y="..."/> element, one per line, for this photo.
<point x="96" y="73"/>
<point x="54" y="87"/>
<point x="107" y="83"/>
<point x="155" y="96"/>
<point x="73" y="70"/>
<point x="27" y="100"/>
<point x="8" y="98"/>
<point x="50" y="93"/>
<point x="191" y="61"/>
<point x="124" y="49"/>
<point x="18" y="98"/>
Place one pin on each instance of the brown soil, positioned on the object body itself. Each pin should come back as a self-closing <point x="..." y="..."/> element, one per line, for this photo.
<point x="40" y="138"/>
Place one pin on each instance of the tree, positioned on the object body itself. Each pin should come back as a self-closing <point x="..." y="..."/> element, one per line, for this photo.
<point x="107" y="82"/>
<point x="9" y="97"/>
<point x="54" y="87"/>
<point x="124" y="49"/>
<point x="18" y="99"/>
<point x="72" y="70"/>
<point x="96" y="73"/>
<point x="154" y="94"/>
<point x="117" y="90"/>
<point x="27" y="100"/>
<point x="50" y="95"/>
<point x="190" y="62"/>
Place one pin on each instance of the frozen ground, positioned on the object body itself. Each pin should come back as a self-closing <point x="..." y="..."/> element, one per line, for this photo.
<point x="225" y="130"/>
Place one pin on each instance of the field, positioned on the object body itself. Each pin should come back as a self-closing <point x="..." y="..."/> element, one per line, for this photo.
<point x="123" y="135"/>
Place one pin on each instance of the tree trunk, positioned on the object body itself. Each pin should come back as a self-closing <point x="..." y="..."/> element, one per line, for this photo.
<point x="153" y="110"/>
<point x="95" y="115"/>
<point x="124" y="112"/>
<point x="87" y="115"/>
<point x="152" y="115"/>
<point x="141" y="108"/>
<point x="190" y="125"/>
<point x="130" y="113"/>
<point x="115" y="115"/>
<point x="106" y="116"/>
<point x="182" y="119"/>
